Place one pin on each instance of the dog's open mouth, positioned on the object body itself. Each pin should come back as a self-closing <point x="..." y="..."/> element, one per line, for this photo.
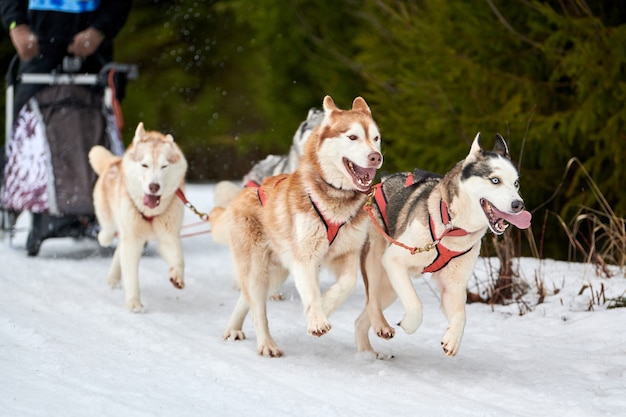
<point x="499" y="220"/>
<point x="151" y="200"/>
<point x="362" y="177"/>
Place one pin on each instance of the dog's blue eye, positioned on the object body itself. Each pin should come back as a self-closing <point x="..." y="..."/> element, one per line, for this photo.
<point x="495" y="180"/>
<point x="352" y="137"/>
<point x="516" y="183"/>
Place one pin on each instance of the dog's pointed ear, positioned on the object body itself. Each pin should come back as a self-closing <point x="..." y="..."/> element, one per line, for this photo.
<point x="140" y="132"/>
<point x="329" y="107"/>
<point x="359" y="104"/>
<point x="500" y="147"/>
<point x="476" y="148"/>
<point x="169" y="138"/>
<point x="476" y="151"/>
<point x="329" y="104"/>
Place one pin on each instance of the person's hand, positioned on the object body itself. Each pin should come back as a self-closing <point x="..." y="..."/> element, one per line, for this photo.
<point x="25" y="42"/>
<point x="85" y="43"/>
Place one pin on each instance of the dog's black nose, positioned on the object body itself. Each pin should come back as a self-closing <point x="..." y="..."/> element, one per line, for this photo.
<point x="154" y="187"/>
<point x="375" y="158"/>
<point x="517" y="206"/>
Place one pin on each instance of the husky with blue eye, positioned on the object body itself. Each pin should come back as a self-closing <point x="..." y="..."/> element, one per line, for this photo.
<point x="425" y="222"/>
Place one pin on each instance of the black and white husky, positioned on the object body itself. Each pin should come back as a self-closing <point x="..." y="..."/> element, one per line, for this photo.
<point x="424" y="222"/>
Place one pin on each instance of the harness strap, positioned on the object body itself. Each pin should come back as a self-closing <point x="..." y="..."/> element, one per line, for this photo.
<point x="331" y="228"/>
<point x="261" y="194"/>
<point x="251" y="183"/>
<point x="260" y="190"/>
<point x="381" y="199"/>
<point x="381" y="202"/>
<point x="444" y="255"/>
<point x="181" y="195"/>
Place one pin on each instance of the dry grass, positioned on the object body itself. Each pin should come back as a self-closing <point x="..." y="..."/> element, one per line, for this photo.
<point x="596" y="298"/>
<point x="597" y="234"/>
<point x="504" y="285"/>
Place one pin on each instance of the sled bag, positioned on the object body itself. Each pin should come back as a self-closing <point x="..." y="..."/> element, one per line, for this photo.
<point x="47" y="168"/>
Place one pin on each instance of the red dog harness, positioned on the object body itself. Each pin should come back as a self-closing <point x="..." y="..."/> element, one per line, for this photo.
<point x="331" y="228"/>
<point x="444" y="255"/>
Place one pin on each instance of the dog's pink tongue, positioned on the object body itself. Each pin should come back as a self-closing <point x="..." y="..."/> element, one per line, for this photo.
<point x="151" y="200"/>
<point x="521" y="220"/>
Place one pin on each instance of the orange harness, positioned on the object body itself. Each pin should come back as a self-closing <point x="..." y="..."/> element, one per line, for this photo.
<point x="331" y="228"/>
<point x="444" y="255"/>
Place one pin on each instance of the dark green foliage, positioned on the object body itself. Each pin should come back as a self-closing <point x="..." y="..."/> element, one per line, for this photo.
<point x="233" y="79"/>
<point x="195" y="80"/>
<point x="443" y="71"/>
<point x="226" y="76"/>
<point x="618" y="302"/>
<point x="303" y="52"/>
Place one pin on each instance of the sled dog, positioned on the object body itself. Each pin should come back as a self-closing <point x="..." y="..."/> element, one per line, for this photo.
<point x="273" y="164"/>
<point x="302" y="221"/>
<point x="431" y="223"/>
<point x="135" y="197"/>
<point x="285" y="164"/>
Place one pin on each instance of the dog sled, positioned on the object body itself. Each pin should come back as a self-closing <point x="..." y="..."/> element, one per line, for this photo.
<point x="44" y="166"/>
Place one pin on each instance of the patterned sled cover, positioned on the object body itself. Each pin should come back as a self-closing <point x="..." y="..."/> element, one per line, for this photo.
<point x="47" y="170"/>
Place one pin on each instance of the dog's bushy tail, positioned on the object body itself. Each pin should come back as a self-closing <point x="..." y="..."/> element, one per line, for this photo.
<point x="100" y="157"/>
<point x="225" y="193"/>
<point x="220" y="225"/>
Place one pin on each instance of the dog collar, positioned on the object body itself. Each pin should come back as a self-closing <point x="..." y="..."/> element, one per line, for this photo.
<point x="447" y="221"/>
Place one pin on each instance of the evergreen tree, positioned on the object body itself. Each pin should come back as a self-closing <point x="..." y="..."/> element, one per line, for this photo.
<point x="233" y="79"/>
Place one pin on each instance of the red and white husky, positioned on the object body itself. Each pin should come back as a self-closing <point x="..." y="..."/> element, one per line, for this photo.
<point x="302" y="221"/>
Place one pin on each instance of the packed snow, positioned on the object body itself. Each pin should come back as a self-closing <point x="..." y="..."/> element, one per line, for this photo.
<point x="69" y="348"/>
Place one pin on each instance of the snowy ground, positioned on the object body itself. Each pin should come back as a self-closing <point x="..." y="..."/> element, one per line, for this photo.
<point x="69" y="348"/>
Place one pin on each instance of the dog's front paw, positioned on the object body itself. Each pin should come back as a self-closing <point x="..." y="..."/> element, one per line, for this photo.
<point x="134" y="305"/>
<point x="269" y="350"/>
<point x="233" y="334"/>
<point x="383" y="356"/>
<point x="177" y="283"/>
<point x="451" y="342"/>
<point x="371" y="355"/>
<point x="114" y="281"/>
<point x="176" y="278"/>
<point x="385" y="332"/>
<point x="279" y="296"/>
<point x="105" y="238"/>
<point x="411" y="322"/>
<point x="319" y="327"/>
